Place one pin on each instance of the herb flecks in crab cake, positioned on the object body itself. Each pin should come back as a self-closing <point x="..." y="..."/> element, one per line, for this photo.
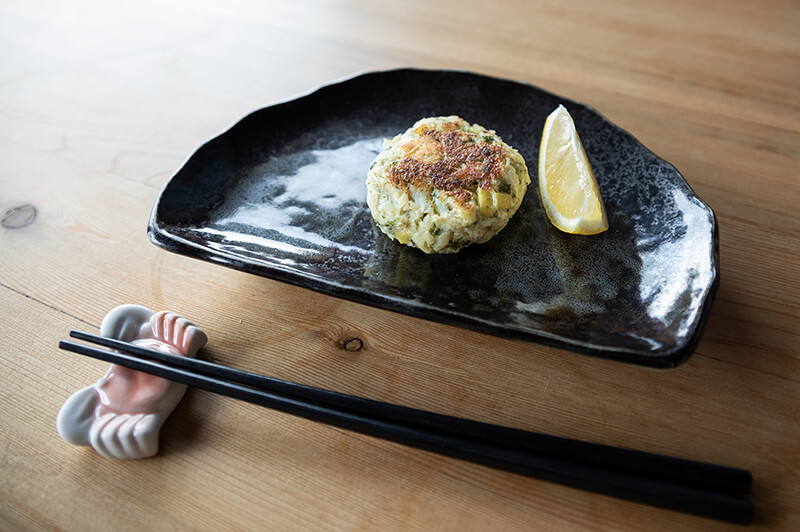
<point x="445" y="184"/>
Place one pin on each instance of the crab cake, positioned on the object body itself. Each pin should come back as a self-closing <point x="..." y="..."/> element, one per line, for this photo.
<point x="445" y="184"/>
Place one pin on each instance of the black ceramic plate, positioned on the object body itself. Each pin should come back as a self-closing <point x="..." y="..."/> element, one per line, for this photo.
<point x="282" y="194"/>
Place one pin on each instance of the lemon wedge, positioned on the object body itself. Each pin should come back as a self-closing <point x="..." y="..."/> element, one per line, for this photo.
<point x="567" y="184"/>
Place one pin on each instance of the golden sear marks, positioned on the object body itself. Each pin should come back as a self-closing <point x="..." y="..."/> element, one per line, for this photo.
<point x="451" y="160"/>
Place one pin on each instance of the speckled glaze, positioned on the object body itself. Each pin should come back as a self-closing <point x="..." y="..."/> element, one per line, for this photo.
<point x="282" y="194"/>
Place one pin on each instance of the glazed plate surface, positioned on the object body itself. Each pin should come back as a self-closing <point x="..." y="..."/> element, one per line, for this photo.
<point x="282" y="194"/>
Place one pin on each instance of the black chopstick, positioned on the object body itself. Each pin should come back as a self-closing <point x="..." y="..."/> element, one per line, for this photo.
<point x="733" y="480"/>
<point x="722" y="504"/>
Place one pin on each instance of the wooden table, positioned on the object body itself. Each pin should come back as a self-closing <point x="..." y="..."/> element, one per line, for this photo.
<point x="100" y="102"/>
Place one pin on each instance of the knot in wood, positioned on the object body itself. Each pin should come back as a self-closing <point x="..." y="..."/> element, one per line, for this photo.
<point x="18" y="217"/>
<point x="353" y="344"/>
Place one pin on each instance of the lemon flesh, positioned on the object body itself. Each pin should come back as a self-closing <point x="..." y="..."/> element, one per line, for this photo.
<point x="567" y="184"/>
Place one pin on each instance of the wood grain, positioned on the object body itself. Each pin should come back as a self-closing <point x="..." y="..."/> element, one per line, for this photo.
<point x="100" y="102"/>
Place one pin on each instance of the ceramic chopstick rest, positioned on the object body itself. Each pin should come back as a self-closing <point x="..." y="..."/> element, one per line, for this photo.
<point x="121" y="415"/>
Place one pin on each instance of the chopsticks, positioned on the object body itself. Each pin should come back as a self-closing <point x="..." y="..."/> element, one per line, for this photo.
<point x="698" y="488"/>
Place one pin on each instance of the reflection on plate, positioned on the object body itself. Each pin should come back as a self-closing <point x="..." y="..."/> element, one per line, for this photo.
<point x="282" y="194"/>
